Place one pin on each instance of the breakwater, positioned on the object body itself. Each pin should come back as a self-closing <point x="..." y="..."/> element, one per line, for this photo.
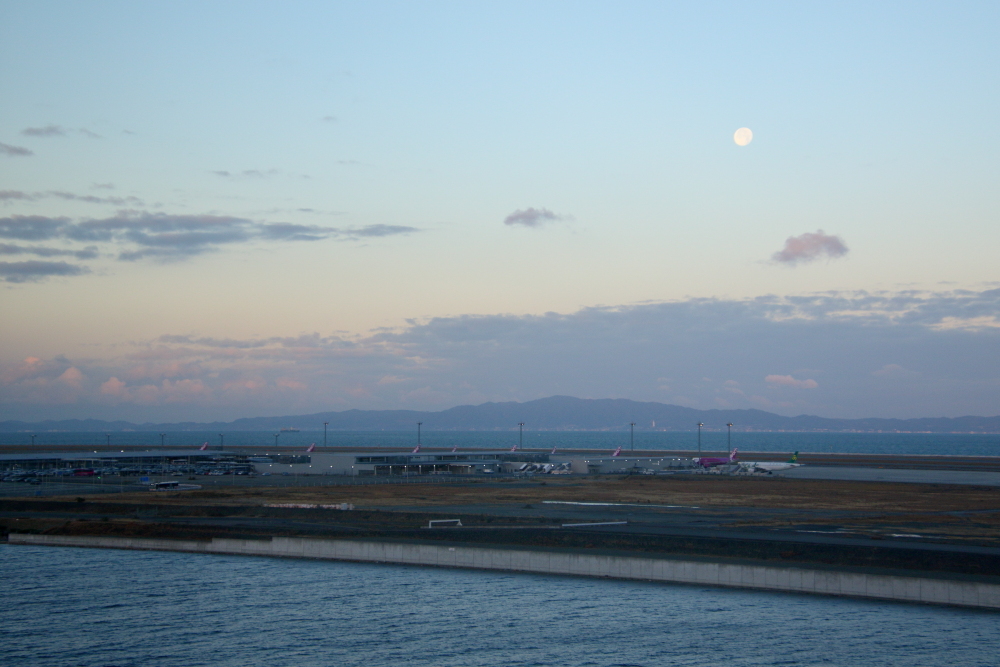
<point x="917" y="589"/>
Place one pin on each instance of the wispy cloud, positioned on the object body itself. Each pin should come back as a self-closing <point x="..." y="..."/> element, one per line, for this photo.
<point x="34" y="270"/>
<point x="248" y="173"/>
<point x="809" y="247"/>
<point x="11" y="195"/>
<point x="533" y="217"/>
<point x="56" y="131"/>
<point x="139" y="235"/>
<point x="90" y="252"/>
<point x="44" y="131"/>
<point x="14" y="151"/>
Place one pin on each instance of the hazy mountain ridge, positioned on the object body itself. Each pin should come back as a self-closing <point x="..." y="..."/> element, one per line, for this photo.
<point x="553" y="413"/>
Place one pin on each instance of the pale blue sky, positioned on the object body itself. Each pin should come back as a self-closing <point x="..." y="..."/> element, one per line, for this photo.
<point x="253" y="171"/>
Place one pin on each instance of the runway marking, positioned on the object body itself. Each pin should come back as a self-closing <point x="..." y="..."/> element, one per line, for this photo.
<point x="571" y="502"/>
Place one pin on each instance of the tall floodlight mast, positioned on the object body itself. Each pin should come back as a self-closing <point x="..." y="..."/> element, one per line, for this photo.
<point x="699" y="436"/>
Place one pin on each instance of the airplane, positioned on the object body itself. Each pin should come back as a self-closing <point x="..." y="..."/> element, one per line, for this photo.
<point x="618" y="452"/>
<point x="514" y="448"/>
<point x="203" y="447"/>
<point x="416" y="450"/>
<point x="772" y="466"/>
<point x="711" y="462"/>
<point x="553" y="450"/>
<point x="454" y="449"/>
<point x="311" y="449"/>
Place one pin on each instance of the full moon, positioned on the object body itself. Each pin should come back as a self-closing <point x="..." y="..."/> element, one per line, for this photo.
<point x="743" y="136"/>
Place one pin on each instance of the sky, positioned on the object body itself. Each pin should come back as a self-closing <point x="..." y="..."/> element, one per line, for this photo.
<point x="231" y="209"/>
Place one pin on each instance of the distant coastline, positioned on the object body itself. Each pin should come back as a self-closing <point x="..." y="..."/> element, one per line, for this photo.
<point x="556" y="413"/>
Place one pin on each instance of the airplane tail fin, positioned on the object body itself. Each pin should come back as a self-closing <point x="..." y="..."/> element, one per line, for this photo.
<point x="514" y="448"/>
<point x="732" y="454"/>
<point x="416" y="450"/>
<point x="203" y="447"/>
<point x="311" y="448"/>
<point x="454" y="449"/>
<point x="553" y="451"/>
<point x="618" y="451"/>
<point x="795" y="458"/>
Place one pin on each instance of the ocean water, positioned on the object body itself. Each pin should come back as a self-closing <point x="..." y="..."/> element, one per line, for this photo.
<point x="66" y="607"/>
<point x="868" y="443"/>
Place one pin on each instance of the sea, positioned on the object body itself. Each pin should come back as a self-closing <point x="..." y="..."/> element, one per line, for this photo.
<point x="65" y="607"/>
<point x="958" y="444"/>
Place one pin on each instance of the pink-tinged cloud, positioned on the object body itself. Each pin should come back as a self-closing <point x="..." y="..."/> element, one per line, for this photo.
<point x="72" y="377"/>
<point x="789" y="381"/>
<point x="809" y="247"/>
<point x="113" y="387"/>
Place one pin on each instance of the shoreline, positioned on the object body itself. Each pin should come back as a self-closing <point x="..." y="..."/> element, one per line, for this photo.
<point x="915" y="588"/>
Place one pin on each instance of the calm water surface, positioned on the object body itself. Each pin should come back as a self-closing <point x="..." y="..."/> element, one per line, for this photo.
<point x="97" y="608"/>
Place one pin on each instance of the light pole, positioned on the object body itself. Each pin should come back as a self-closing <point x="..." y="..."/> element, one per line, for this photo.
<point x="221" y="442"/>
<point x="520" y="435"/>
<point x="33" y="439"/>
<point x="108" y="436"/>
<point x="276" y="439"/>
<point x="729" y="436"/>
<point x="419" y="424"/>
<point x="162" y="435"/>
<point x="325" y="424"/>
<point x="699" y="436"/>
<point x="631" y="436"/>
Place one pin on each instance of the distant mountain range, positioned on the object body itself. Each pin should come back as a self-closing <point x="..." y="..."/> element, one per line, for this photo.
<point x="556" y="413"/>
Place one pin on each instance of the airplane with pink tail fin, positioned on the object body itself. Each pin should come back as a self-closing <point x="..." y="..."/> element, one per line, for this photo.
<point x="311" y="449"/>
<point x="618" y="452"/>
<point x="711" y="462"/>
<point x="416" y="450"/>
<point x="203" y="447"/>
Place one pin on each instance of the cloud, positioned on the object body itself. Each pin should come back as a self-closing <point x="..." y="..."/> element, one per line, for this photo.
<point x="789" y="381"/>
<point x="248" y="173"/>
<point x="90" y="252"/>
<point x="710" y="349"/>
<point x="142" y="235"/>
<point x="34" y="270"/>
<point x="31" y="227"/>
<point x="14" y="151"/>
<point x="10" y="195"/>
<point x="809" y="247"/>
<point x="378" y="230"/>
<point x="46" y="131"/>
<point x="532" y="217"/>
<point x="285" y="231"/>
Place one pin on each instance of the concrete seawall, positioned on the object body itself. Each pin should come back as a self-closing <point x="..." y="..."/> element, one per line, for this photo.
<point x="788" y="579"/>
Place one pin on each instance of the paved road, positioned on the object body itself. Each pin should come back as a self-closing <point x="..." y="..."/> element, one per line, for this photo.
<point x="975" y="477"/>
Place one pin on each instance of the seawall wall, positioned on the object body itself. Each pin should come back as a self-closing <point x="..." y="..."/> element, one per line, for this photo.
<point x="925" y="590"/>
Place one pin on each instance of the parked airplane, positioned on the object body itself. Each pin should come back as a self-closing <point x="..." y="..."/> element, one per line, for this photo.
<point x="771" y="466"/>
<point x="711" y="462"/>
<point x="311" y="449"/>
<point x="618" y="452"/>
<point x="203" y="447"/>
<point x="416" y="450"/>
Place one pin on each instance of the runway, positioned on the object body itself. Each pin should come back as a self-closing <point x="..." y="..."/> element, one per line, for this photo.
<point x="858" y="474"/>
